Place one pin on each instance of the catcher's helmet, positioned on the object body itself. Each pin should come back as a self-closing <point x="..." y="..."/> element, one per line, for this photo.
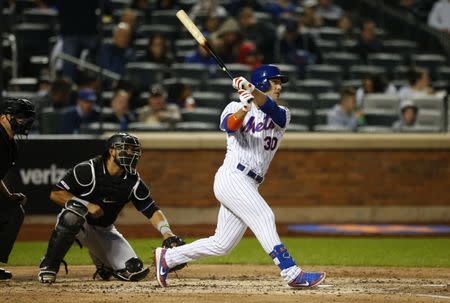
<point x="262" y="75"/>
<point x="128" y="148"/>
<point x="19" y="109"/>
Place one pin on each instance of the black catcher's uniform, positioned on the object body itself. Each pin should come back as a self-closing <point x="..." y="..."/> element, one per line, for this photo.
<point x="90" y="182"/>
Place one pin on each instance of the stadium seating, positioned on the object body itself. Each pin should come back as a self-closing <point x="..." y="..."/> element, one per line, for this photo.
<point x="327" y="100"/>
<point x="386" y="60"/>
<point x="190" y="70"/>
<point x="326" y="72"/>
<point x="221" y="85"/>
<point x="297" y="100"/>
<point x="51" y="121"/>
<point x="201" y="114"/>
<point x="194" y="84"/>
<point x="165" y="17"/>
<point x="196" y="126"/>
<point x="382" y="102"/>
<point x="314" y="86"/>
<point x="143" y="74"/>
<point x="22" y="84"/>
<point x="380" y="117"/>
<point x="142" y="126"/>
<point x="398" y="46"/>
<point x="361" y="71"/>
<point x="210" y="99"/>
<point x="148" y="30"/>
<point x="300" y="116"/>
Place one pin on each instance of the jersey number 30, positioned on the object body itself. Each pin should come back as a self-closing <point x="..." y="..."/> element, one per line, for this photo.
<point x="270" y="143"/>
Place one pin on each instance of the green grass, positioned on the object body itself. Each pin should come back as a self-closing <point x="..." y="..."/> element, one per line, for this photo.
<point x="410" y="252"/>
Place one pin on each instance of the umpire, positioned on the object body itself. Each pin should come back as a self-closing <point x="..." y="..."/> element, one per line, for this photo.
<point x="16" y="118"/>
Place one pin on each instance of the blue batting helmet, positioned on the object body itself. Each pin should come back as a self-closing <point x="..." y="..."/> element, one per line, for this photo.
<point x="262" y="75"/>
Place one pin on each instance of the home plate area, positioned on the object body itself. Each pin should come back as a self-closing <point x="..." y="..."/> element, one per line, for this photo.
<point x="229" y="283"/>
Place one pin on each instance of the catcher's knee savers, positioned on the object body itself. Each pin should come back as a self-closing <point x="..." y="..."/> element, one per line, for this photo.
<point x="70" y="222"/>
<point x="134" y="271"/>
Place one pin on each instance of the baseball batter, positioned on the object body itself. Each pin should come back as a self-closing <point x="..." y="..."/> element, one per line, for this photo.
<point x="255" y="127"/>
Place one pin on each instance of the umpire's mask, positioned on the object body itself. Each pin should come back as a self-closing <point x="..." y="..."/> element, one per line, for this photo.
<point x="128" y="150"/>
<point x="22" y="115"/>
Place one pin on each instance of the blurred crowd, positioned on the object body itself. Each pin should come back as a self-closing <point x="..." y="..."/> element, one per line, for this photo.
<point x="247" y="32"/>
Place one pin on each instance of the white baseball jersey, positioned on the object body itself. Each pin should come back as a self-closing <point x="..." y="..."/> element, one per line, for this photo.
<point x="242" y="206"/>
<point x="255" y="144"/>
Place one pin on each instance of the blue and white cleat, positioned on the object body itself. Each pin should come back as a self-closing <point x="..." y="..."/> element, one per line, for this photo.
<point x="308" y="279"/>
<point x="161" y="268"/>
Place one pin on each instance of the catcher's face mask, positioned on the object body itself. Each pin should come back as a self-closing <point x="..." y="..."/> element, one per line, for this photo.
<point x="127" y="155"/>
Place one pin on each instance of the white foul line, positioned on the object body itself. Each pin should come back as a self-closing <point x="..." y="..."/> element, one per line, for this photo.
<point x="434" y="296"/>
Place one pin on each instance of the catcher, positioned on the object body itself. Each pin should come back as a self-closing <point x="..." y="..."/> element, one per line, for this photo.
<point x="92" y="194"/>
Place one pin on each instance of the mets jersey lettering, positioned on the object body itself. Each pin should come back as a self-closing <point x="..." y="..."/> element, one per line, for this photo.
<point x="255" y="144"/>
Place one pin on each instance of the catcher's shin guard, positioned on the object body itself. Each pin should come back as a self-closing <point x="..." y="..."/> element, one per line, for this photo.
<point x="69" y="224"/>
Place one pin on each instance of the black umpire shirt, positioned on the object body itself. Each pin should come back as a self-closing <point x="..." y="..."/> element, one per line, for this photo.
<point x="8" y="155"/>
<point x="91" y="181"/>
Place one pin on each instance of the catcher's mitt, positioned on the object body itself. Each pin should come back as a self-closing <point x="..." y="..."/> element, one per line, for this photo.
<point x="172" y="242"/>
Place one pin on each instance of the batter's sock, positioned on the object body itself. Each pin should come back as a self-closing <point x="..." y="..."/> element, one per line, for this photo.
<point x="282" y="258"/>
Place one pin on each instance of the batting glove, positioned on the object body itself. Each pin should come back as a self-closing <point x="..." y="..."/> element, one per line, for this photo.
<point x="246" y="99"/>
<point x="242" y="83"/>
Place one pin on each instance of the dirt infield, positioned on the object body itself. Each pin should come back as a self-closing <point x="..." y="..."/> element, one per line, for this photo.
<point x="232" y="283"/>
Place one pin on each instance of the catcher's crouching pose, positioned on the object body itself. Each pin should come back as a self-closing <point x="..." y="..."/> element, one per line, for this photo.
<point x="92" y="194"/>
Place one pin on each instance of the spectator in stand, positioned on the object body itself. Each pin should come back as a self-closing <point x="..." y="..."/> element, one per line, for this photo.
<point x="419" y="85"/>
<point x="236" y="5"/>
<point x="374" y="84"/>
<point x="346" y="26"/>
<point x="201" y="56"/>
<point x="408" y="119"/>
<point x="309" y="19"/>
<point x="88" y="79"/>
<point x="249" y="55"/>
<point x="439" y="17"/>
<point x="44" y="84"/>
<point x="58" y="98"/>
<point x="157" y="111"/>
<point x="115" y="56"/>
<point x="329" y="11"/>
<point x="77" y="35"/>
<point x="83" y="113"/>
<point x="141" y="5"/>
<point x="181" y="95"/>
<point x="120" y="105"/>
<point x="281" y="9"/>
<point x="207" y="7"/>
<point x="210" y="24"/>
<point x="367" y="41"/>
<point x="344" y="114"/>
<point x="157" y="51"/>
<point x="299" y="49"/>
<point x="130" y="17"/>
<point x="261" y="34"/>
<point x="228" y="39"/>
<point x="166" y="4"/>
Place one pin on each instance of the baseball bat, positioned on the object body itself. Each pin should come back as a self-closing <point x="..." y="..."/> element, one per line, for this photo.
<point x="195" y="32"/>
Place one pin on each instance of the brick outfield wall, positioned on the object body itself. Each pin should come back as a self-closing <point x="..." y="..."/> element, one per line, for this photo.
<point x="184" y="178"/>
